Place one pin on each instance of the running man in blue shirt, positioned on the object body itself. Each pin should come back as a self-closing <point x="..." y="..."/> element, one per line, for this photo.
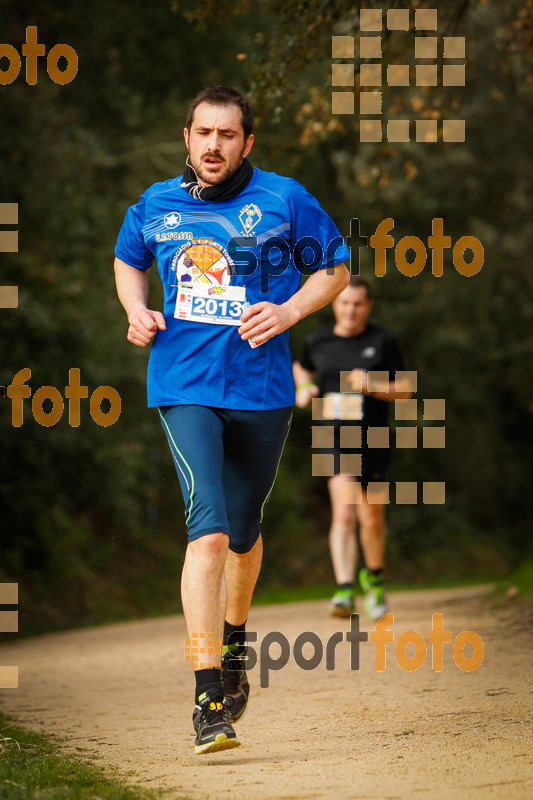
<point x="231" y="243"/>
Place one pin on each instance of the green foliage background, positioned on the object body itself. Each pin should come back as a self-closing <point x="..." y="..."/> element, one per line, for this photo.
<point x="91" y="518"/>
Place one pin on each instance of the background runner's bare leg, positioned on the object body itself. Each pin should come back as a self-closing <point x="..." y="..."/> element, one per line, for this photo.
<point x="242" y="570"/>
<point x="342" y="541"/>
<point x="203" y="591"/>
<point x="372" y="531"/>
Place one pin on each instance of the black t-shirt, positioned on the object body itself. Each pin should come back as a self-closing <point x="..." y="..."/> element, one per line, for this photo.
<point x="374" y="349"/>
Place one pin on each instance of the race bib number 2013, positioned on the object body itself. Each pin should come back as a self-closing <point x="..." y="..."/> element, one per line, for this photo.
<point x="218" y="305"/>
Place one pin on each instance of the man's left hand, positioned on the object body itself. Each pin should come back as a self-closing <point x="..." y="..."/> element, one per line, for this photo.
<point x="263" y="320"/>
<point x="358" y="380"/>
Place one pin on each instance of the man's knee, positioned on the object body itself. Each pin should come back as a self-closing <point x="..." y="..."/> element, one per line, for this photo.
<point x="371" y="515"/>
<point x="211" y="546"/>
<point x="344" y="514"/>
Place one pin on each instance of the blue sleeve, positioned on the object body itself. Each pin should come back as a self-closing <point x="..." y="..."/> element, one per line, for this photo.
<point x="315" y="238"/>
<point x="130" y="246"/>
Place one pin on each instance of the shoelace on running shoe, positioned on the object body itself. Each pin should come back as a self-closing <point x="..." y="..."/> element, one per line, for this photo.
<point x="211" y="715"/>
<point x="231" y="680"/>
<point x="233" y="670"/>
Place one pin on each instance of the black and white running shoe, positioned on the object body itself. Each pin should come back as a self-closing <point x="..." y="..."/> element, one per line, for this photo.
<point x="211" y="722"/>
<point x="235" y="682"/>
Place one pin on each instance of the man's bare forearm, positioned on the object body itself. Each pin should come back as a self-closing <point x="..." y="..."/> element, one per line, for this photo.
<point x="399" y="389"/>
<point x="132" y="287"/>
<point x="392" y="391"/>
<point x="132" y="290"/>
<point x="317" y="291"/>
<point x="263" y="320"/>
<point x="301" y="375"/>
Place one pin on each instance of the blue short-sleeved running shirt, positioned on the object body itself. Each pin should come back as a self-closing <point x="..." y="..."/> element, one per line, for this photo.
<point x="207" y="364"/>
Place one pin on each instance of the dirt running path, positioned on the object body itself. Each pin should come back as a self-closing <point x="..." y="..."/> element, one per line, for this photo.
<point x="124" y="692"/>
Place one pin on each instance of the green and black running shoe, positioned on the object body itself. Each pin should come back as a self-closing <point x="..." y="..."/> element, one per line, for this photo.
<point x="235" y="682"/>
<point x="342" y="603"/>
<point x="375" y="602"/>
<point x="212" y="725"/>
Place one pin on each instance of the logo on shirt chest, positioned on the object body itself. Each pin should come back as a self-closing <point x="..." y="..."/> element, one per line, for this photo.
<point x="203" y="262"/>
<point x="249" y="216"/>
<point x="368" y="352"/>
<point x="172" y="220"/>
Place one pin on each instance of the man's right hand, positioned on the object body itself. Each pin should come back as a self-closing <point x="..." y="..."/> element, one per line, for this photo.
<point x="144" y="325"/>
<point x="304" y="394"/>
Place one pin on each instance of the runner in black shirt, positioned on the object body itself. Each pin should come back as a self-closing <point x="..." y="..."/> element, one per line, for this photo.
<point x="354" y="345"/>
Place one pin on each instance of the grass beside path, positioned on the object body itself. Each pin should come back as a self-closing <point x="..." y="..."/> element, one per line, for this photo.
<point x="34" y="767"/>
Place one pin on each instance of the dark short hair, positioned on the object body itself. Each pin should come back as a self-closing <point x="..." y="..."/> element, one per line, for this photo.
<point x="357" y="281"/>
<point x="224" y="96"/>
